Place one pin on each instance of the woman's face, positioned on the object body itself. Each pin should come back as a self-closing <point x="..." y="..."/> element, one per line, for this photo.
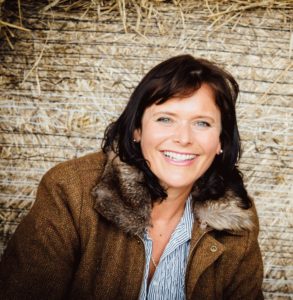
<point x="181" y="137"/>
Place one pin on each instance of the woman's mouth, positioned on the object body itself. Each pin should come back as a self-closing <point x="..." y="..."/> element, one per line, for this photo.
<point x="178" y="157"/>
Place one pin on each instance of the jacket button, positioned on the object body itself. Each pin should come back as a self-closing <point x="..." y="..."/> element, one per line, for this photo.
<point x="214" y="248"/>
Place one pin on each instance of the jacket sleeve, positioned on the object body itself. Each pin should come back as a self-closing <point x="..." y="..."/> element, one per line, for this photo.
<point x="39" y="260"/>
<point x="247" y="281"/>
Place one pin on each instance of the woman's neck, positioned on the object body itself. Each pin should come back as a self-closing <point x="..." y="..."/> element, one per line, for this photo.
<point x="170" y="207"/>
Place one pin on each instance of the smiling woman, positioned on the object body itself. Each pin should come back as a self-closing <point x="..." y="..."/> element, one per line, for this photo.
<point x="180" y="138"/>
<point x="161" y="212"/>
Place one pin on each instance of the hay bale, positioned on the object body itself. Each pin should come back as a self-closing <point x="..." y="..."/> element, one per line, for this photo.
<point x="73" y="70"/>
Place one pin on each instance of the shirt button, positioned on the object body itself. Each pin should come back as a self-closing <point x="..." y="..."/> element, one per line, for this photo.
<point x="214" y="248"/>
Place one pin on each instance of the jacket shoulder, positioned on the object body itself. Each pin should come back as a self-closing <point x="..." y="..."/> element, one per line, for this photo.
<point x="86" y="167"/>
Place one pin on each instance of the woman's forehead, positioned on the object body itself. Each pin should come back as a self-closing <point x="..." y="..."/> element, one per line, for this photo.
<point x="201" y="102"/>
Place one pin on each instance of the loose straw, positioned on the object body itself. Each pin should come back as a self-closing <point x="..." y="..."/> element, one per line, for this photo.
<point x="13" y="26"/>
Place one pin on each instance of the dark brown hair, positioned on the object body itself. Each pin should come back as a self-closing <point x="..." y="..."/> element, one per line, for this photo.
<point x="181" y="76"/>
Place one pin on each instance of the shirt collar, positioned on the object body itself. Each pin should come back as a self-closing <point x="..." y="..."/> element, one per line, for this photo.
<point x="186" y="223"/>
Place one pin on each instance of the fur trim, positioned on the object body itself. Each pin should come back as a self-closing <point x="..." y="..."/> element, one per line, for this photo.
<point x="224" y="214"/>
<point x="122" y="198"/>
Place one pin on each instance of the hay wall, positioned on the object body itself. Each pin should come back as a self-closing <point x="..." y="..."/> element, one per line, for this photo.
<point x="72" y="73"/>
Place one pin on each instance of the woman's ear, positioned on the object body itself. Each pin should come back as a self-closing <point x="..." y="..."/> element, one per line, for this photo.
<point x="219" y="149"/>
<point x="137" y="135"/>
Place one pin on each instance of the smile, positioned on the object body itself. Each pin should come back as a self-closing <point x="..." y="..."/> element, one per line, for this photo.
<point x="179" y="156"/>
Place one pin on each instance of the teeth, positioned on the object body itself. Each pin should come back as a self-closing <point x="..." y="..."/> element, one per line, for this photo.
<point x="178" y="156"/>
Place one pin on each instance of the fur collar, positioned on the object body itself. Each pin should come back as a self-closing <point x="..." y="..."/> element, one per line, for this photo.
<point x="122" y="199"/>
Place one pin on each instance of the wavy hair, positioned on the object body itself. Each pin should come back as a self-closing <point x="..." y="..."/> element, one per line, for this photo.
<point x="181" y="76"/>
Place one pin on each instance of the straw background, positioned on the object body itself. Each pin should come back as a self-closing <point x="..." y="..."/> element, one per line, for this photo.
<point x="68" y="67"/>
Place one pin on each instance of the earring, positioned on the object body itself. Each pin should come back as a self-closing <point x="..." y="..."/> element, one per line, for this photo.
<point x="220" y="152"/>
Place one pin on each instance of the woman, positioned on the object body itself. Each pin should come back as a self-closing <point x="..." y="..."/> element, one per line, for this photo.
<point x="161" y="213"/>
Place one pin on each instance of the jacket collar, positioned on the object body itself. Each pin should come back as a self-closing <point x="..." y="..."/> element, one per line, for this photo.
<point x="122" y="198"/>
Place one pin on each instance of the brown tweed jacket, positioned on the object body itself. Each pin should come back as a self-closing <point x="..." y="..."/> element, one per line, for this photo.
<point x="81" y="240"/>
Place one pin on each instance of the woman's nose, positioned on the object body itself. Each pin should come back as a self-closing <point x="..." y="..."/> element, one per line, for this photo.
<point x="183" y="134"/>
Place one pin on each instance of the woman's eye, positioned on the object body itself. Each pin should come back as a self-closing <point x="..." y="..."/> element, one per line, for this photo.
<point x="202" y="124"/>
<point x="164" y="120"/>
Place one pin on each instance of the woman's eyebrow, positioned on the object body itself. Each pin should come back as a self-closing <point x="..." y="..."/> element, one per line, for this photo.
<point x="165" y="113"/>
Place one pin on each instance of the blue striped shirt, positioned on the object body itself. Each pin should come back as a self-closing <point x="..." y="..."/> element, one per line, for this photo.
<point x="168" y="281"/>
